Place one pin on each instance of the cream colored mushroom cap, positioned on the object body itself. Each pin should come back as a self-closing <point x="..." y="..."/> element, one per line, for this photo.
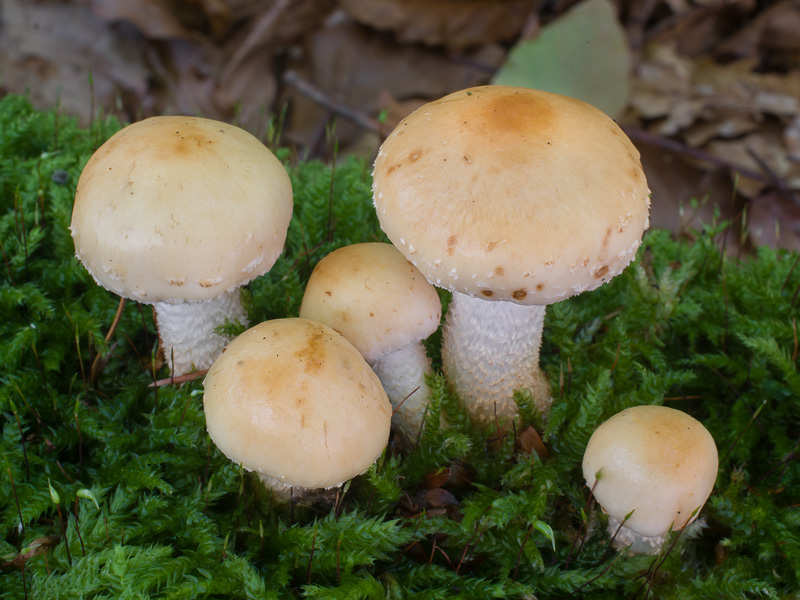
<point x="294" y="400"/>
<point x="512" y="194"/>
<point x="656" y="461"/>
<point x="180" y="208"/>
<point x="374" y="297"/>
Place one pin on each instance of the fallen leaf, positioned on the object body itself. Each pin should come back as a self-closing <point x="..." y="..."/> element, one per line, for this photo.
<point x="456" y="25"/>
<point x="583" y="54"/>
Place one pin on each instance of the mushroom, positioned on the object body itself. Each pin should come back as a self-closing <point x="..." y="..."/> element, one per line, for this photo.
<point x="293" y="400"/>
<point x="651" y="468"/>
<point x="382" y="304"/>
<point x="179" y="212"/>
<point x="512" y="199"/>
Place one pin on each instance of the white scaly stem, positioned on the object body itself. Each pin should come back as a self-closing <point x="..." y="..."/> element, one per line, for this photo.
<point x="401" y="373"/>
<point x="489" y="350"/>
<point x="187" y="334"/>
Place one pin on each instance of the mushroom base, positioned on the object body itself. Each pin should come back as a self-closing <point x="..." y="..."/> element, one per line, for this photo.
<point x="490" y="350"/>
<point x="186" y="330"/>
<point x="626" y="538"/>
<point x="284" y="492"/>
<point x="402" y="374"/>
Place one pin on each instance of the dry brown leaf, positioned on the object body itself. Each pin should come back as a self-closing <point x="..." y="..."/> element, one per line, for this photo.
<point x="366" y="71"/>
<point x="456" y="25"/>
<point x="152" y="17"/>
<point x="774" y="220"/>
<point x="761" y="152"/>
<point x="53" y="62"/>
<point x="775" y="29"/>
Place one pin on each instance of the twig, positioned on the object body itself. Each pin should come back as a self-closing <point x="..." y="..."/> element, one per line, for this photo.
<point x="180" y="378"/>
<point x="16" y="499"/>
<point x="680" y="148"/>
<point x="316" y="95"/>
<point x="101" y="360"/>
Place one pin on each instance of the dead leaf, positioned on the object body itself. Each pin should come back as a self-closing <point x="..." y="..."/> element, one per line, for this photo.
<point x="774" y="220"/>
<point x="152" y="17"/>
<point x="53" y="62"/>
<point x="39" y="545"/>
<point x="437" y="478"/>
<point x="530" y="441"/>
<point x="583" y="53"/>
<point x="456" y="25"/>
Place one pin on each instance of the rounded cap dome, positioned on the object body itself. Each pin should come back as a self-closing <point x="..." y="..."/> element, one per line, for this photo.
<point x="294" y="400"/>
<point x="512" y="194"/>
<point x="374" y="297"/>
<point x="656" y="461"/>
<point x="180" y="208"/>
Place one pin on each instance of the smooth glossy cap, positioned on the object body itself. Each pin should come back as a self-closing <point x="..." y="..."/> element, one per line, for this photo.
<point x="174" y="209"/>
<point x="294" y="400"/>
<point x="656" y="461"/>
<point x="512" y="194"/>
<point x="374" y="297"/>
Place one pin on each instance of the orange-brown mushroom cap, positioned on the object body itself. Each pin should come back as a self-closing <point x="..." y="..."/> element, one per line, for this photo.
<point x="294" y="400"/>
<point x="512" y="194"/>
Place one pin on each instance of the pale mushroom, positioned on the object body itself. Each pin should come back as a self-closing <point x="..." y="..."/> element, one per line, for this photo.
<point x="382" y="304"/>
<point x="652" y="469"/>
<point x="512" y="199"/>
<point x="179" y="212"/>
<point x="293" y="400"/>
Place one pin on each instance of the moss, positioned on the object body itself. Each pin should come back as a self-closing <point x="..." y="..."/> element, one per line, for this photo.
<point x="148" y="508"/>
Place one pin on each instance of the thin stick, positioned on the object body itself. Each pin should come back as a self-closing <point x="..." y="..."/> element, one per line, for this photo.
<point x="97" y="364"/>
<point x="180" y="378"/>
<point x="77" y="527"/>
<point x="519" y="554"/>
<point x="316" y="95"/>
<point x="743" y="431"/>
<point x="16" y="499"/>
<point x="311" y="556"/>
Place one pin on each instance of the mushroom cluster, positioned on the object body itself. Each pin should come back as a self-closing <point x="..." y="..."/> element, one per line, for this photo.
<point x="652" y="469"/>
<point x="512" y="199"/>
<point x="382" y="304"/>
<point x="179" y="212"/>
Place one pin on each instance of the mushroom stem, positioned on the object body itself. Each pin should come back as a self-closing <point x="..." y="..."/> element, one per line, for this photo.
<point x="186" y="330"/>
<point x="491" y="349"/>
<point x="401" y="373"/>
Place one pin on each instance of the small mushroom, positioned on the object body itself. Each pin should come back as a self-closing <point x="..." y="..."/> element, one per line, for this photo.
<point x="293" y="400"/>
<point x="651" y="468"/>
<point x="512" y="199"/>
<point x="382" y="304"/>
<point x="179" y="212"/>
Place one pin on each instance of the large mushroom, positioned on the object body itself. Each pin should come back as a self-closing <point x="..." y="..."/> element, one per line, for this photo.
<point x="293" y="400"/>
<point x="384" y="306"/>
<point x="512" y="199"/>
<point x="179" y="212"/>
<point x="651" y="468"/>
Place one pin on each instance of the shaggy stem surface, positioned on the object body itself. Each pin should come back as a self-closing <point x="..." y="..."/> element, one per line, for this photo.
<point x="489" y="350"/>
<point x="187" y="334"/>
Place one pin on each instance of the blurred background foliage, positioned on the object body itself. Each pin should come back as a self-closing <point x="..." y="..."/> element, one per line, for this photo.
<point x="708" y="89"/>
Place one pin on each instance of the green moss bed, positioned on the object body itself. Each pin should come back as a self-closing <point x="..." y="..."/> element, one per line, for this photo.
<point x="111" y="488"/>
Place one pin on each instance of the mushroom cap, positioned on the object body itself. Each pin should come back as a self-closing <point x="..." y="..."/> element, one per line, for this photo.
<point x="374" y="297"/>
<point x="294" y="400"/>
<point x="656" y="461"/>
<point x="512" y="194"/>
<point x="174" y="209"/>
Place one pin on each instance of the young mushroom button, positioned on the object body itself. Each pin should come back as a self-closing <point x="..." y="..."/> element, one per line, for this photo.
<point x="651" y="468"/>
<point x="295" y="401"/>
<point x="512" y="199"/>
<point x="179" y="212"/>
<point x="382" y="304"/>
